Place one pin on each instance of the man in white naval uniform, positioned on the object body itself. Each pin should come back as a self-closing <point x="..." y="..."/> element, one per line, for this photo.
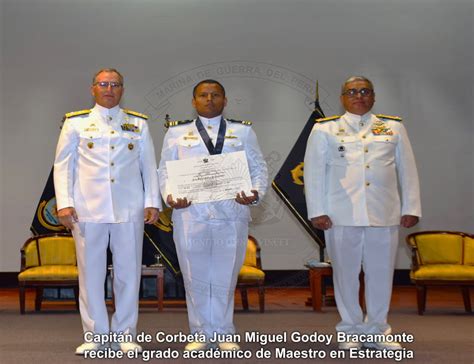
<point x="211" y="238"/>
<point x="351" y="168"/>
<point x="106" y="188"/>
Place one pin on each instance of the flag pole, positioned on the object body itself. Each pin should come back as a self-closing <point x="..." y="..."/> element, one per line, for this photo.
<point x="316" y="99"/>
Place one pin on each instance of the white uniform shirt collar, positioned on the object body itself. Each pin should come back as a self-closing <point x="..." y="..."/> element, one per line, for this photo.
<point x="353" y="118"/>
<point x="357" y="122"/>
<point x="107" y="114"/>
<point x="210" y="122"/>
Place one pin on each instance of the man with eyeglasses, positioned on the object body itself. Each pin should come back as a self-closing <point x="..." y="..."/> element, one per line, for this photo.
<point x="354" y="166"/>
<point x="106" y="188"/>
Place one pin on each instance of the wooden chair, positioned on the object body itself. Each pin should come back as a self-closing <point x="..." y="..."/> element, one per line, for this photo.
<point x="251" y="275"/>
<point x="441" y="258"/>
<point x="48" y="261"/>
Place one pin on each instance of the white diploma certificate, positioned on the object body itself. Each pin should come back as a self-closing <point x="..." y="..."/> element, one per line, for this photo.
<point x="209" y="178"/>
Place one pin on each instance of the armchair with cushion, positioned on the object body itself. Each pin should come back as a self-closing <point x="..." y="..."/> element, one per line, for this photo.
<point x="252" y="275"/>
<point x="442" y="258"/>
<point x="48" y="261"/>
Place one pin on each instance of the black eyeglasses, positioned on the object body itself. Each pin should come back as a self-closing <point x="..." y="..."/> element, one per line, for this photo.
<point x="106" y="84"/>
<point x="352" y="92"/>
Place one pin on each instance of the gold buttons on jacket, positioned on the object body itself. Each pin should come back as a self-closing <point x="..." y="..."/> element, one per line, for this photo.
<point x="112" y="164"/>
<point x="366" y="150"/>
<point x="367" y="166"/>
<point x="112" y="180"/>
<point x="112" y="147"/>
<point x="112" y="132"/>
<point x="130" y="146"/>
<point x="363" y="137"/>
<point x="90" y="145"/>
<point x="367" y="184"/>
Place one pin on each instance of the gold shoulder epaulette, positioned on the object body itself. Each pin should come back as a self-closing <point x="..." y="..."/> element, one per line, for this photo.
<point x="329" y="118"/>
<point x="170" y="124"/>
<point x="243" y="122"/>
<point x="382" y="116"/>
<point x="134" y="113"/>
<point x="77" y="113"/>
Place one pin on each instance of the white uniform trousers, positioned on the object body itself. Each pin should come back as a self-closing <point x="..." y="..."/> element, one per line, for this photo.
<point x="210" y="257"/>
<point x="374" y="249"/>
<point x="126" y="244"/>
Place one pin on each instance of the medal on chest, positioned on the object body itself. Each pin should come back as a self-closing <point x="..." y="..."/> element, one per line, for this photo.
<point x="341" y="149"/>
<point x="381" y="128"/>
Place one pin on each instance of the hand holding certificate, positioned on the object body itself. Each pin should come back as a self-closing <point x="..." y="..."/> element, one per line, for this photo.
<point x="209" y="178"/>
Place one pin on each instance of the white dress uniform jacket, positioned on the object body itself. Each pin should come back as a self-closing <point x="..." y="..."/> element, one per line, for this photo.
<point x="184" y="141"/>
<point x="352" y="166"/>
<point x="105" y="166"/>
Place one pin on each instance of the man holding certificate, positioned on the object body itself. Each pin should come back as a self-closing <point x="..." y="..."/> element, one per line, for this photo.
<point x="211" y="169"/>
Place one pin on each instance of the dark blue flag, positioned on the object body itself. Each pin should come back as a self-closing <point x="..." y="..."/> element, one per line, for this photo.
<point x="289" y="182"/>
<point x="46" y="220"/>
